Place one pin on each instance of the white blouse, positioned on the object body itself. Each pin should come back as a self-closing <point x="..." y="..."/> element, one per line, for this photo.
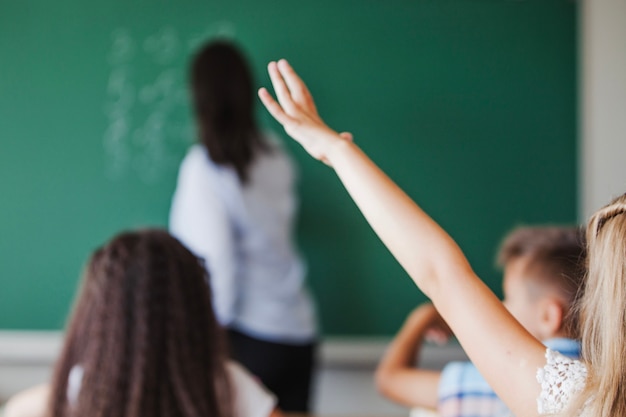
<point x="245" y="235"/>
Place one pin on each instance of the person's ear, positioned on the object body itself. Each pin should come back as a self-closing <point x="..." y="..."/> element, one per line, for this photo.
<point x="551" y="319"/>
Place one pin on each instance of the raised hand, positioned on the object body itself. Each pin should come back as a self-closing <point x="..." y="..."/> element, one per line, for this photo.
<point x="493" y="339"/>
<point x="296" y="111"/>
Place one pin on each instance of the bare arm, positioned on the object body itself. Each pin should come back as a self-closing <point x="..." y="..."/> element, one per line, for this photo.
<point x="396" y="375"/>
<point x="497" y="344"/>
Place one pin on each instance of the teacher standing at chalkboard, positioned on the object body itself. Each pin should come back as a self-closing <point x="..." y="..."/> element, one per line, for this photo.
<point x="234" y="206"/>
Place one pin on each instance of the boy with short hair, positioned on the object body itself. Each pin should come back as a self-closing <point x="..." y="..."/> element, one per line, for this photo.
<point x="543" y="273"/>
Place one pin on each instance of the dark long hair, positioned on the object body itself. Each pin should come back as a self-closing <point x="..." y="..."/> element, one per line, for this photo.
<point x="144" y="332"/>
<point x="223" y="98"/>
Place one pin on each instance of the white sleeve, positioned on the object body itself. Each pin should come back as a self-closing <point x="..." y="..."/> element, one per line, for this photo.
<point x="561" y="379"/>
<point x="251" y="398"/>
<point x="31" y="402"/>
<point x="198" y="218"/>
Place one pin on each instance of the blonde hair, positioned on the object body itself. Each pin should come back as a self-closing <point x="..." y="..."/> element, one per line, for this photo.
<point x="603" y="314"/>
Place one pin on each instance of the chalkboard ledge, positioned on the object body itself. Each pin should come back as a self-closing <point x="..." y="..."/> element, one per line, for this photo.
<point x="42" y="347"/>
<point x="365" y="352"/>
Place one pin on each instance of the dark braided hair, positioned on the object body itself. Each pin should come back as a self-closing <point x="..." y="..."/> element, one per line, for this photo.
<point x="144" y="332"/>
<point x="223" y="100"/>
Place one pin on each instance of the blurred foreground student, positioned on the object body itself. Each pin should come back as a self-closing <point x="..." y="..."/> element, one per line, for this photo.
<point x="235" y="206"/>
<point x="543" y="272"/>
<point x="531" y="379"/>
<point x="143" y="342"/>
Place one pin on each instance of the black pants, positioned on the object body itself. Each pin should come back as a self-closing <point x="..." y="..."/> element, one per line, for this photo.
<point x="285" y="369"/>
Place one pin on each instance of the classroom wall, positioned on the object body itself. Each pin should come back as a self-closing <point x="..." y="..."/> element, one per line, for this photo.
<point x="603" y="104"/>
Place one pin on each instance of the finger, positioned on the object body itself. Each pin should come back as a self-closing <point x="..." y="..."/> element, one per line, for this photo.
<point x="273" y="107"/>
<point x="297" y="87"/>
<point x="280" y="88"/>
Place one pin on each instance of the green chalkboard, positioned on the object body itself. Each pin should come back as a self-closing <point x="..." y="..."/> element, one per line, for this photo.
<point x="470" y="105"/>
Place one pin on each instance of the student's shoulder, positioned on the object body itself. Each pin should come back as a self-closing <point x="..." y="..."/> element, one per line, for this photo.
<point x="252" y="399"/>
<point x="242" y="378"/>
<point x="28" y="403"/>
<point x="462" y="386"/>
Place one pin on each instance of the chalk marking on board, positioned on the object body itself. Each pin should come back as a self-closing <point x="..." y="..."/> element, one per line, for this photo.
<point x="164" y="46"/>
<point x="146" y="120"/>
<point x="122" y="48"/>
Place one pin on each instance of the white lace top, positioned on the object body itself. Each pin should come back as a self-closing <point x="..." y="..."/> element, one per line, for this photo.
<point x="561" y="380"/>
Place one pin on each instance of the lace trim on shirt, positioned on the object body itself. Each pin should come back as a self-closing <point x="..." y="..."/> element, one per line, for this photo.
<point x="561" y="379"/>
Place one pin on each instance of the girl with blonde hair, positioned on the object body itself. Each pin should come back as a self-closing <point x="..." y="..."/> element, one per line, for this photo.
<point x="531" y="379"/>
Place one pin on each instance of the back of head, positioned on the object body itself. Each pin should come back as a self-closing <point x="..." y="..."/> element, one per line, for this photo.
<point x="223" y="98"/>
<point x="603" y="311"/>
<point x="144" y="333"/>
<point x="554" y="262"/>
